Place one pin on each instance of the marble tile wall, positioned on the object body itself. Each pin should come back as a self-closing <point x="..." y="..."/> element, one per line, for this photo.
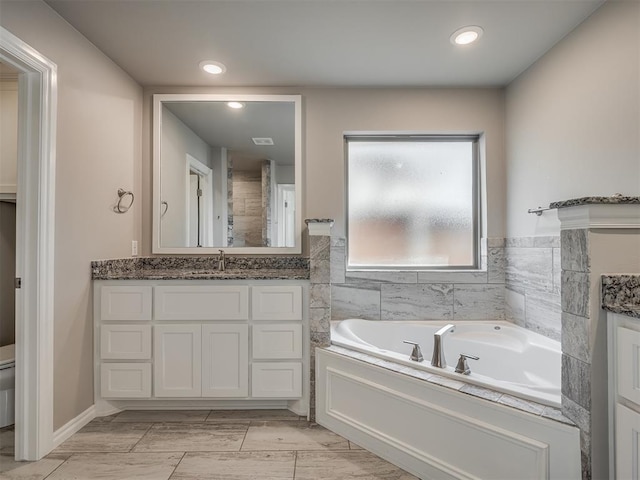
<point x="532" y="282"/>
<point x="320" y="297"/>
<point x="577" y="338"/>
<point x="410" y="295"/>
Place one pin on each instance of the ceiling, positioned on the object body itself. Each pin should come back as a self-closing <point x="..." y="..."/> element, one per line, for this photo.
<point x="364" y="43"/>
<point x="219" y="125"/>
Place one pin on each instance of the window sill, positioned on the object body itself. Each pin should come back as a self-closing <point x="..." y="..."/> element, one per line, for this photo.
<point x="418" y="276"/>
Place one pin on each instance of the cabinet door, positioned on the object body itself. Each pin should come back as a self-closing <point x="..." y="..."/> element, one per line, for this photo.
<point x="225" y="360"/>
<point x="279" y="341"/>
<point x="281" y="302"/>
<point x="125" y="342"/>
<point x="201" y="302"/>
<point x="276" y="380"/>
<point x="131" y="302"/>
<point x="627" y="443"/>
<point x="125" y="380"/>
<point x="177" y="360"/>
<point x="628" y="364"/>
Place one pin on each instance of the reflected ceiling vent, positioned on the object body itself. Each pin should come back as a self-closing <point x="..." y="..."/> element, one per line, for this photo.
<point x="262" y="141"/>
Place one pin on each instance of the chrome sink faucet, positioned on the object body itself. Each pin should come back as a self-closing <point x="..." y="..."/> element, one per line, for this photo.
<point x="221" y="261"/>
<point x="438" y="360"/>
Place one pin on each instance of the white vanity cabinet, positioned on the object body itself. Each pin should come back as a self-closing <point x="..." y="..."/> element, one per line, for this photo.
<point x="123" y="345"/>
<point x="197" y="340"/>
<point x="194" y="360"/>
<point x="624" y="396"/>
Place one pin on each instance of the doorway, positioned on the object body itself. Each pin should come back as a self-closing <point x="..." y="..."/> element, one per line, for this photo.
<point x="286" y="215"/>
<point x="35" y="203"/>
<point x="199" y="204"/>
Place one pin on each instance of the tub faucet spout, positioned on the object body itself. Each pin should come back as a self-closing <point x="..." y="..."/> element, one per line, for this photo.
<point x="438" y="360"/>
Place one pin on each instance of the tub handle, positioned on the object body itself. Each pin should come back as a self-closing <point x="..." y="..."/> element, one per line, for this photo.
<point x="462" y="366"/>
<point x="416" y="354"/>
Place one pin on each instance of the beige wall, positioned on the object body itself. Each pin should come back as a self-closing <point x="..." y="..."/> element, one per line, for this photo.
<point x="98" y="151"/>
<point x="573" y="120"/>
<point x="328" y="113"/>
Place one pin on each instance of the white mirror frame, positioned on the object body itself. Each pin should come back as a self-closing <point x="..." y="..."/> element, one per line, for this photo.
<point x="158" y="99"/>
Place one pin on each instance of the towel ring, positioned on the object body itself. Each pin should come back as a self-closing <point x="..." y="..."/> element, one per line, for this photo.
<point x="166" y="207"/>
<point x="119" y="208"/>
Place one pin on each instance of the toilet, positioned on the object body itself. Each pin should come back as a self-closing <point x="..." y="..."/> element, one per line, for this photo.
<point x="7" y="384"/>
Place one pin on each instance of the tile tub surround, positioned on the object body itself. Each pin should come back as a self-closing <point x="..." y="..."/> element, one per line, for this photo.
<point x="203" y="267"/>
<point x="320" y="265"/>
<point x="275" y="445"/>
<point x="598" y="235"/>
<point x="419" y="295"/>
<point x="621" y="294"/>
<point x="533" y="281"/>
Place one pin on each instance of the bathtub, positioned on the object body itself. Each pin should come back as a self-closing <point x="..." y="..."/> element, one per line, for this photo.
<point x="513" y="360"/>
<point x="449" y="433"/>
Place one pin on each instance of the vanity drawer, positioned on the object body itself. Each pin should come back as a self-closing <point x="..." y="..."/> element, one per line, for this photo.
<point x="125" y="342"/>
<point x="279" y="341"/>
<point x="276" y="380"/>
<point x="201" y="302"/>
<point x="125" y="380"/>
<point x="125" y="303"/>
<point x="276" y="302"/>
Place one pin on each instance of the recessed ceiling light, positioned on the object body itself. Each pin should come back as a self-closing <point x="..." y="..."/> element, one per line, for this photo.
<point x="235" y="105"/>
<point x="214" y="68"/>
<point x="466" y="35"/>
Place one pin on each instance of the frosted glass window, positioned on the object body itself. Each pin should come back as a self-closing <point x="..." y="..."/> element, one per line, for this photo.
<point x="412" y="202"/>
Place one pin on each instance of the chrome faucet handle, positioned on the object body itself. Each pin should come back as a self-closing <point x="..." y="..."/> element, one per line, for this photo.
<point x="416" y="354"/>
<point x="462" y="366"/>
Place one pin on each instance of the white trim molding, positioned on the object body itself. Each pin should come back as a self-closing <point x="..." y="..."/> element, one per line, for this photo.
<point x="35" y="208"/>
<point x="599" y="216"/>
<point x="73" y="426"/>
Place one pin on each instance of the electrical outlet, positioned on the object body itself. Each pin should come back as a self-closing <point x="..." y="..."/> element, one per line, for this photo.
<point x="134" y="248"/>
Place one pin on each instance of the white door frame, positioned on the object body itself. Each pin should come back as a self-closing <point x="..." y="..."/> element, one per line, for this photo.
<point x="35" y="213"/>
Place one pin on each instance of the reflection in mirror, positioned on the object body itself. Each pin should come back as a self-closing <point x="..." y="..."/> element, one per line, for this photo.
<point x="226" y="177"/>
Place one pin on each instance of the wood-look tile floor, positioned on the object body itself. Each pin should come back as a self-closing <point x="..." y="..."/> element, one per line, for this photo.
<point x="194" y="445"/>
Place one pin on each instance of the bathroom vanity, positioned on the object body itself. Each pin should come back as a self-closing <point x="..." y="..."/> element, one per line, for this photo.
<point x="189" y="338"/>
<point x="621" y="298"/>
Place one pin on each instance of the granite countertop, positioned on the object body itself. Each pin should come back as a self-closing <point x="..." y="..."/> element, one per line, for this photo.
<point x="621" y="294"/>
<point x="617" y="199"/>
<point x="201" y="268"/>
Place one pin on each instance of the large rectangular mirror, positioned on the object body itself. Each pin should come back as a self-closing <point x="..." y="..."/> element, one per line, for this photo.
<point x="227" y="174"/>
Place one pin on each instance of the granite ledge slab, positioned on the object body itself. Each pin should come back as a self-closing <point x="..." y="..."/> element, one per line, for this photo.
<point x="621" y="294"/>
<point x="201" y="268"/>
<point x="528" y="406"/>
<point x="616" y="199"/>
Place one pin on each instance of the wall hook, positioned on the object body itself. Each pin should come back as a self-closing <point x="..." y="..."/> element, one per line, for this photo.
<point x="119" y="208"/>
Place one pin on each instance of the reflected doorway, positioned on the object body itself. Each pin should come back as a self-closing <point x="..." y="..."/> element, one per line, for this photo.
<point x="286" y="214"/>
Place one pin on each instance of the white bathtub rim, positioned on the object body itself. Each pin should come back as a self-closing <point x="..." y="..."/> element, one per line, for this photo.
<point x="539" y="396"/>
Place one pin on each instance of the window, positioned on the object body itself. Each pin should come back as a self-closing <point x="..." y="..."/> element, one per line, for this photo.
<point x="412" y="202"/>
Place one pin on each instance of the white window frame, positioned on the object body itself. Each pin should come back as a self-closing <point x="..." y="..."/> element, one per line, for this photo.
<point x="477" y="196"/>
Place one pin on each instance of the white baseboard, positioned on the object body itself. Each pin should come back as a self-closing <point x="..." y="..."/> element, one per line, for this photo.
<point x="73" y="425"/>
